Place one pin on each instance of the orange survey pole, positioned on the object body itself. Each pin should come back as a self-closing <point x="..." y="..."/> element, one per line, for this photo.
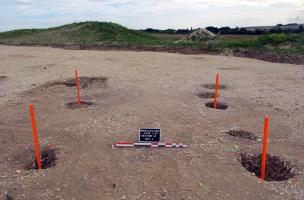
<point x="35" y="136"/>
<point x="78" y="88"/>
<point x="264" y="153"/>
<point x="216" y="90"/>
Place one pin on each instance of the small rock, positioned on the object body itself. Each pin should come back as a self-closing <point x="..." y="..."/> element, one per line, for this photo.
<point x="236" y="147"/>
<point x="277" y="109"/>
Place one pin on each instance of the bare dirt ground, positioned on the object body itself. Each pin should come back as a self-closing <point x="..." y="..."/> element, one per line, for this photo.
<point x="297" y="59"/>
<point x="146" y="89"/>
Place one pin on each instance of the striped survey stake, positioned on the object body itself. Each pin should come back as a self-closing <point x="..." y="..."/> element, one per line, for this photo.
<point x="150" y="144"/>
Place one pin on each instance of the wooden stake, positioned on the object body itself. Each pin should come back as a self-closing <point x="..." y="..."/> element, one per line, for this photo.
<point x="216" y="91"/>
<point x="78" y="88"/>
<point x="264" y="151"/>
<point x="35" y="136"/>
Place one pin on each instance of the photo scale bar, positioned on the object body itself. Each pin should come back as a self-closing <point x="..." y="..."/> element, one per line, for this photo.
<point x="153" y="144"/>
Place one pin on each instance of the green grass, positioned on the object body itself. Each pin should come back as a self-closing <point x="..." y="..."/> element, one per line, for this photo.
<point x="277" y="43"/>
<point x="103" y="33"/>
<point x="82" y="33"/>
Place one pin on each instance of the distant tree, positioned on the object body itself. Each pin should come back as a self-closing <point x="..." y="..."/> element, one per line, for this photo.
<point x="151" y="30"/>
<point x="183" y="31"/>
<point x="274" y="30"/>
<point x="235" y="30"/>
<point x="258" y="32"/>
<point x="301" y="29"/>
<point x="169" y="31"/>
<point x="225" y="30"/>
<point x="214" y="30"/>
<point x="244" y="31"/>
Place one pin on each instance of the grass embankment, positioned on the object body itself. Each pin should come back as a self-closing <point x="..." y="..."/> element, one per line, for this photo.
<point x="87" y="33"/>
<point x="111" y="34"/>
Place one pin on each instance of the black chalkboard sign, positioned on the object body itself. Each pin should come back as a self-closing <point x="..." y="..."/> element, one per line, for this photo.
<point x="149" y="135"/>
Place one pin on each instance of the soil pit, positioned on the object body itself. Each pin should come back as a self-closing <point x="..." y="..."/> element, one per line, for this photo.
<point x="48" y="159"/>
<point x="84" y="82"/>
<point x="83" y="104"/>
<point x="8" y="197"/>
<point x="242" y="134"/>
<point x="3" y="77"/>
<point x="219" y="105"/>
<point x="212" y="86"/>
<point x="276" y="168"/>
<point x="205" y="95"/>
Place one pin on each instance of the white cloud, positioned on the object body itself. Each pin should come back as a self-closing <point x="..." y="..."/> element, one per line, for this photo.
<point x="149" y="13"/>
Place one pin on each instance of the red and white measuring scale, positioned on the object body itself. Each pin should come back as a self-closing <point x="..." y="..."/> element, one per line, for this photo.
<point x="150" y="144"/>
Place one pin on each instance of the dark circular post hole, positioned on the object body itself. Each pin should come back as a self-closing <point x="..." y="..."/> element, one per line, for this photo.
<point x="75" y="105"/>
<point x="48" y="159"/>
<point x="3" y="77"/>
<point x="277" y="169"/>
<point x="219" y="105"/>
<point x="83" y="82"/>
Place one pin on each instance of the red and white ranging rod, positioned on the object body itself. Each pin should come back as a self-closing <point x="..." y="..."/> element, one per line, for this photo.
<point x="150" y="144"/>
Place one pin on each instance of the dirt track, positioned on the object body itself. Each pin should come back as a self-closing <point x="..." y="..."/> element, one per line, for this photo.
<point x="146" y="89"/>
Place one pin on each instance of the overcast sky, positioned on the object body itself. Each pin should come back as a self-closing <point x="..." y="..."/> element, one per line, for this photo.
<point x="15" y="14"/>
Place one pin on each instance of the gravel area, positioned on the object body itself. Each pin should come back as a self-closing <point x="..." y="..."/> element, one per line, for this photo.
<point x="139" y="90"/>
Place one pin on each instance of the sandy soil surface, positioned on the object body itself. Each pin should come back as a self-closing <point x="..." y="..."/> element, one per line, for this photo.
<point x="146" y="89"/>
<point x="297" y="59"/>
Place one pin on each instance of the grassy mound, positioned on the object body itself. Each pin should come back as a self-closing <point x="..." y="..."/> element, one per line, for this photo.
<point x="81" y="33"/>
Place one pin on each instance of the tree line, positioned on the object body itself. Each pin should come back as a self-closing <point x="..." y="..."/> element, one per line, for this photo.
<point x="170" y="31"/>
<point x="280" y="28"/>
<point x="259" y="31"/>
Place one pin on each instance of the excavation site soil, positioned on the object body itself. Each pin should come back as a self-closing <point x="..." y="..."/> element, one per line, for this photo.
<point x="123" y="91"/>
